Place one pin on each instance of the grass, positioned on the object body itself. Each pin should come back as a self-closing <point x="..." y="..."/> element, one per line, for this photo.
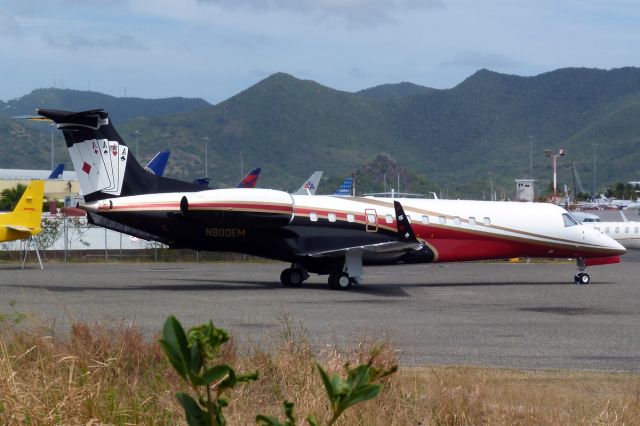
<point x="111" y="374"/>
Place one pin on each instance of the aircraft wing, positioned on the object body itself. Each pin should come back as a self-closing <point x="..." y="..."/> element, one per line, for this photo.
<point x="405" y="240"/>
<point x="385" y="247"/>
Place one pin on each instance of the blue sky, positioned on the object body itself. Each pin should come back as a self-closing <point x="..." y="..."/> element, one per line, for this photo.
<point x="214" y="49"/>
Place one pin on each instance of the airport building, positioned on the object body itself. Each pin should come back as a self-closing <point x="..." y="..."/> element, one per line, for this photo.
<point x="524" y="190"/>
<point x="54" y="189"/>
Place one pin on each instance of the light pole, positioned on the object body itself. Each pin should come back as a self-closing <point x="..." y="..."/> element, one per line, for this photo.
<point x="137" y="133"/>
<point x="549" y="153"/>
<point x="531" y="156"/>
<point x="594" y="170"/>
<point x="52" y="128"/>
<point x="206" y="156"/>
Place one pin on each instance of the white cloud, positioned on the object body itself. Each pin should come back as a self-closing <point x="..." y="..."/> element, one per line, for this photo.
<point x="8" y="24"/>
<point x="354" y="12"/>
<point x="476" y="60"/>
<point x="75" y="42"/>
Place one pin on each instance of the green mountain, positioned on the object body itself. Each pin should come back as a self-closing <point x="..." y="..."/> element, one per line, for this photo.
<point x="25" y="144"/>
<point x="450" y="141"/>
<point x="120" y="109"/>
<point x="394" y="91"/>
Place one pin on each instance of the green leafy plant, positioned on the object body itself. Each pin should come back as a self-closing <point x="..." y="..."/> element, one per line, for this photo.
<point x="192" y="355"/>
<point x="359" y="386"/>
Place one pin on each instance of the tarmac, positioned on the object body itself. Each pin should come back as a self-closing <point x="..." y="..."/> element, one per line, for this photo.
<point x="499" y="314"/>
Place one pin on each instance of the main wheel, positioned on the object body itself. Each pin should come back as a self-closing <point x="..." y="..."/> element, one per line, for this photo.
<point x="339" y="281"/>
<point x="284" y="277"/>
<point x="292" y="277"/>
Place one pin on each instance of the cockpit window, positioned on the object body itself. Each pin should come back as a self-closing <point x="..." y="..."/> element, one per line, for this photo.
<point x="569" y="220"/>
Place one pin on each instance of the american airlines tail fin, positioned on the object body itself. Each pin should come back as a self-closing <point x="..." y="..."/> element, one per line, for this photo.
<point x="250" y="180"/>
<point x="158" y="163"/>
<point x="346" y="189"/>
<point x="104" y="165"/>
<point x="27" y="215"/>
<point x="57" y="172"/>
<point x="311" y="185"/>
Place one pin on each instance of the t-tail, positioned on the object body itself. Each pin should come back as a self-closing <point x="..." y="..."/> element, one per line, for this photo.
<point x="105" y="166"/>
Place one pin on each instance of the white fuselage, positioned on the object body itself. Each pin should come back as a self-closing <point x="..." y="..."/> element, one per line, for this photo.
<point x="626" y="233"/>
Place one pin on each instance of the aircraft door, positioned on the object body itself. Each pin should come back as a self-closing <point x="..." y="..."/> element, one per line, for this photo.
<point x="371" y="220"/>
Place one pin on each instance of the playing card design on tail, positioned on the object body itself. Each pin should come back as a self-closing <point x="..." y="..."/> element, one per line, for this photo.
<point x="102" y="161"/>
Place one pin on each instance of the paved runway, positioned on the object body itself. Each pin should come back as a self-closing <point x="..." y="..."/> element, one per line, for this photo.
<point x="494" y="314"/>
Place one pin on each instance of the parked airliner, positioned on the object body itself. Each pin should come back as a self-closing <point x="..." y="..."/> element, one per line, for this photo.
<point x="328" y="235"/>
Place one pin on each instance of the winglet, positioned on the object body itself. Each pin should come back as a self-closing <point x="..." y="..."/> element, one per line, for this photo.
<point x="405" y="231"/>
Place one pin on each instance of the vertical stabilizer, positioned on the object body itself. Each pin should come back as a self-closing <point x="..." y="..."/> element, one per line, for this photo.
<point x="57" y="172"/>
<point x="250" y="180"/>
<point x="346" y="189"/>
<point x="103" y="163"/>
<point x="27" y="215"/>
<point x="311" y="185"/>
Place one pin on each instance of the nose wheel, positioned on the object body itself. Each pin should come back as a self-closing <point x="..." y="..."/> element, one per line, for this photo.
<point x="581" y="277"/>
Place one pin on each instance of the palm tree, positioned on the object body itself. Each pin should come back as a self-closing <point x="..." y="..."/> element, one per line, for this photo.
<point x="9" y="197"/>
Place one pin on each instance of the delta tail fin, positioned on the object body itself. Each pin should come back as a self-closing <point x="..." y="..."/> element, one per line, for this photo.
<point x="250" y="180"/>
<point x="105" y="166"/>
<point x="310" y="186"/>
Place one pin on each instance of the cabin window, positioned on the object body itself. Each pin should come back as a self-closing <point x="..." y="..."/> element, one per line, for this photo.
<point x="388" y="218"/>
<point x="607" y="230"/>
<point x="472" y="221"/>
<point x="442" y="220"/>
<point x="597" y="228"/>
<point x="313" y="217"/>
<point x="351" y="217"/>
<point x="569" y="220"/>
<point x="332" y="217"/>
<point x="617" y="231"/>
<point x="626" y="230"/>
<point x="636" y="230"/>
<point x="456" y="220"/>
<point x="486" y="221"/>
<point x="371" y="218"/>
<point x="425" y="219"/>
<point x="409" y="218"/>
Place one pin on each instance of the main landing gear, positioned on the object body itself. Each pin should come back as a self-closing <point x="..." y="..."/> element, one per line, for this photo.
<point x="294" y="276"/>
<point x="581" y="277"/>
<point x="350" y="273"/>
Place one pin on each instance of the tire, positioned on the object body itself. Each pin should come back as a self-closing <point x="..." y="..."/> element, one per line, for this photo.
<point x="284" y="277"/>
<point x="584" y="279"/>
<point x="339" y="281"/>
<point x="296" y="276"/>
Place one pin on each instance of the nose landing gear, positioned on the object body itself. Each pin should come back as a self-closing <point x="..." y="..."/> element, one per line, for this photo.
<point x="581" y="277"/>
